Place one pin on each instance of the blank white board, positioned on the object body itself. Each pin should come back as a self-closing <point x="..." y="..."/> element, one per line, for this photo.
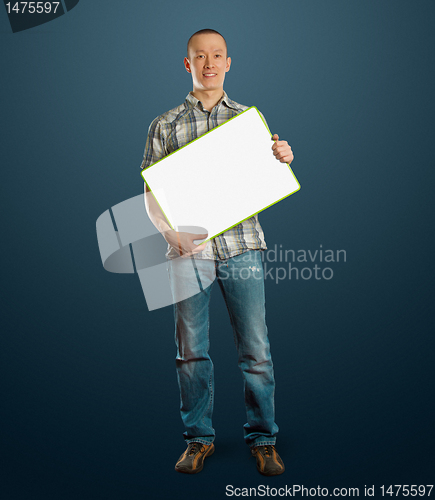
<point x="222" y="178"/>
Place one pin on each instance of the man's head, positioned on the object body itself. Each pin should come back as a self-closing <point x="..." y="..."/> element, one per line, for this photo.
<point x="206" y="32"/>
<point x="207" y="59"/>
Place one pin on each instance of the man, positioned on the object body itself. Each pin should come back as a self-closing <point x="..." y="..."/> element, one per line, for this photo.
<point x="232" y="259"/>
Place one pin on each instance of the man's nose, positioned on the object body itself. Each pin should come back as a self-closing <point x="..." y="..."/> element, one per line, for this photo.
<point x="209" y="63"/>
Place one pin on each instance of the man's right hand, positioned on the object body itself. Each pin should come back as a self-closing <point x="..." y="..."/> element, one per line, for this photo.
<point x="184" y="242"/>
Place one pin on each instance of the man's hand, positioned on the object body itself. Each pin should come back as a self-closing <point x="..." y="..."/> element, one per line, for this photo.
<point x="282" y="151"/>
<point x="184" y="242"/>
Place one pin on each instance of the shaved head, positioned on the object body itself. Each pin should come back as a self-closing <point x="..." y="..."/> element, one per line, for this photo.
<point x="206" y="32"/>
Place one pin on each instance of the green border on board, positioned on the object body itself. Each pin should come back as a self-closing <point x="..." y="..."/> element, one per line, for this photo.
<point x="191" y="142"/>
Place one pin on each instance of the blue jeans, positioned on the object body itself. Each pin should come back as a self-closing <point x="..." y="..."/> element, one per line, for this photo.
<point x="241" y="281"/>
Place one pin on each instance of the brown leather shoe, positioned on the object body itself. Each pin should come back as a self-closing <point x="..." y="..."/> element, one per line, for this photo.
<point x="269" y="463"/>
<point x="192" y="460"/>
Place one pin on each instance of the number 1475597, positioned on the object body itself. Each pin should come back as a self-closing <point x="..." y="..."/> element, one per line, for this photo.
<point x="32" y="7"/>
<point x="405" y="490"/>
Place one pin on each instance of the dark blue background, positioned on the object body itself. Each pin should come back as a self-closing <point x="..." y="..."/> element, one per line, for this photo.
<point x="90" y="400"/>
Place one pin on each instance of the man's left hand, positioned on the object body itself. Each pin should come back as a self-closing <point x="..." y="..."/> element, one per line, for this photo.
<point x="282" y="151"/>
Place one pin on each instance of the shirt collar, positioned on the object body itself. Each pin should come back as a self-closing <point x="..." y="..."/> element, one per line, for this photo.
<point x="194" y="102"/>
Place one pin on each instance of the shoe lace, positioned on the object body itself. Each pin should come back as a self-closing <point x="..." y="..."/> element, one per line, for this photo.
<point x="268" y="450"/>
<point x="194" y="448"/>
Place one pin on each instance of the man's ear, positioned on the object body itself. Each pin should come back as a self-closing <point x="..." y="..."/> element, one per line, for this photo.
<point x="227" y="67"/>
<point x="187" y="65"/>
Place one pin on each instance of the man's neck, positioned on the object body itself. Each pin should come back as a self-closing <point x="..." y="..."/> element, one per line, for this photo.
<point x="209" y="98"/>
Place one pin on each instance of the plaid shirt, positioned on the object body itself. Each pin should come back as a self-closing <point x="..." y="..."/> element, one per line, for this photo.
<point x="176" y="128"/>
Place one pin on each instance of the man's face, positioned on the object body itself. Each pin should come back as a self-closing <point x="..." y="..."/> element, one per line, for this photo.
<point x="207" y="62"/>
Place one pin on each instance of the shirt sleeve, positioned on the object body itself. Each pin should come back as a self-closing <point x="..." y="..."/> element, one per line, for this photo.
<point x="264" y="119"/>
<point x="155" y="144"/>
